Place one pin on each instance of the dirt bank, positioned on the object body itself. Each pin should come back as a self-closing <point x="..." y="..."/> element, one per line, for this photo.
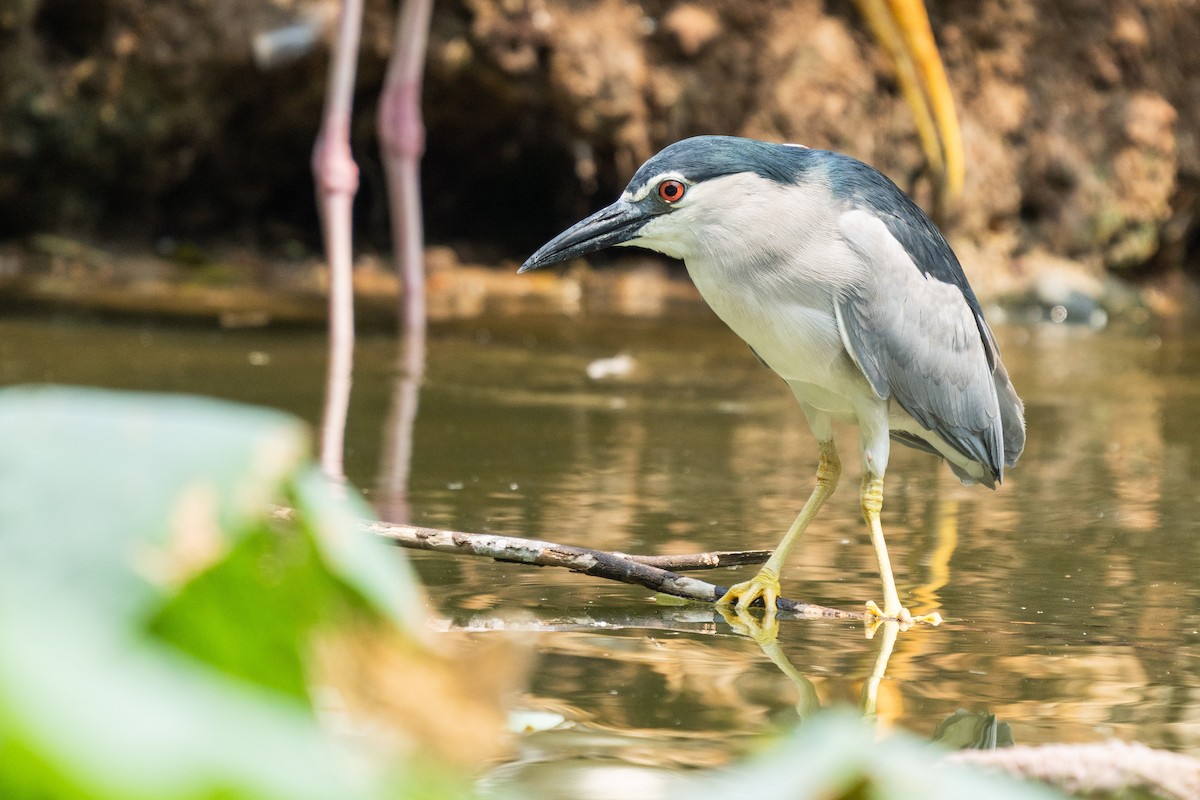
<point x="139" y="120"/>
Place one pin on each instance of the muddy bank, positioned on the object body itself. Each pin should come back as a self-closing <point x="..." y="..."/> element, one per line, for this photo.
<point x="237" y="288"/>
<point x="138" y="121"/>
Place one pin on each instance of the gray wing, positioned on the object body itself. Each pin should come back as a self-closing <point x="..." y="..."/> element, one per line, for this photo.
<point x="918" y="340"/>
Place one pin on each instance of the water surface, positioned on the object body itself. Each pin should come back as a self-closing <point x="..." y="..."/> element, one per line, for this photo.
<point x="1071" y="594"/>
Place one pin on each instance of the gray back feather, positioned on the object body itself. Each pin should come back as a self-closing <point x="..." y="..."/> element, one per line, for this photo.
<point x="919" y="340"/>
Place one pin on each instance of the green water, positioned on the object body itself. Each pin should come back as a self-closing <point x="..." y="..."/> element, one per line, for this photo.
<point x="1072" y="594"/>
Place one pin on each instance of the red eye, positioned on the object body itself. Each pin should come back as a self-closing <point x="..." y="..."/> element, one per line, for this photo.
<point x="671" y="191"/>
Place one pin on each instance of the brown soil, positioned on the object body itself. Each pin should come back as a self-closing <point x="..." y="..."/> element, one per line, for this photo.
<point x="149" y="122"/>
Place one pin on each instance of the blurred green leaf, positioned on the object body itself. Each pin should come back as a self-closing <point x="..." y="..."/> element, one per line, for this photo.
<point x="108" y="500"/>
<point x="105" y="717"/>
<point x="379" y="572"/>
<point x="253" y="613"/>
<point x="156" y="623"/>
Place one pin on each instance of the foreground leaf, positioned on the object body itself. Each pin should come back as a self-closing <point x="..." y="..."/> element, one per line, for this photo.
<point x="158" y="626"/>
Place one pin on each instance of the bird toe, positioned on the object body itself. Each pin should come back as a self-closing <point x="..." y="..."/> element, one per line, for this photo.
<point x="763" y="586"/>
<point x="875" y="615"/>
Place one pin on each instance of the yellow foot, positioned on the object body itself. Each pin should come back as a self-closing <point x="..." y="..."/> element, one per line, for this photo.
<point x="875" y="615"/>
<point x="764" y="585"/>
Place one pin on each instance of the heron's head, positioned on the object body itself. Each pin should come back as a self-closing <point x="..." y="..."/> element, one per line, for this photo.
<point x="692" y="195"/>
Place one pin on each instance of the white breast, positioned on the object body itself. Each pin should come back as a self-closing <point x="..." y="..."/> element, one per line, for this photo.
<point x="795" y="334"/>
<point x="774" y="284"/>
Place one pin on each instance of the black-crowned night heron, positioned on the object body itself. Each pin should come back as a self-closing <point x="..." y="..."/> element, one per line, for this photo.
<point x="841" y="285"/>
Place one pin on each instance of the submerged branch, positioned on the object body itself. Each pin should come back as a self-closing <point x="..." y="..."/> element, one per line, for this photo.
<point x="649" y="571"/>
<point x="711" y="560"/>
<point x="597" y="563"/>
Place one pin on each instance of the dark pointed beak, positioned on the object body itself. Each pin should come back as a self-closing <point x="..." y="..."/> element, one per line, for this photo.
<point x="618" y="223"/>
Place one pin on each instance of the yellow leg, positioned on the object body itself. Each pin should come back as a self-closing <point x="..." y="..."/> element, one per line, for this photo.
<point x="871" y="498"/>
<point x="765" y="584"/>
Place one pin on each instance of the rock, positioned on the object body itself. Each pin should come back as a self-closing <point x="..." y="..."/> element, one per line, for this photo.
<point x="692" y="26"/>
<point x="1065" y="291"/>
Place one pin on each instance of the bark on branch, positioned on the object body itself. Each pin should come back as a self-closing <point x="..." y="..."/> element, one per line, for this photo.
<point x="652" y="572"/>
<point x="637" y="570"/>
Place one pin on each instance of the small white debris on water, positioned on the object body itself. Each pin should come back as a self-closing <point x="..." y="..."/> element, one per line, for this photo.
<point x="616" y="366"/>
